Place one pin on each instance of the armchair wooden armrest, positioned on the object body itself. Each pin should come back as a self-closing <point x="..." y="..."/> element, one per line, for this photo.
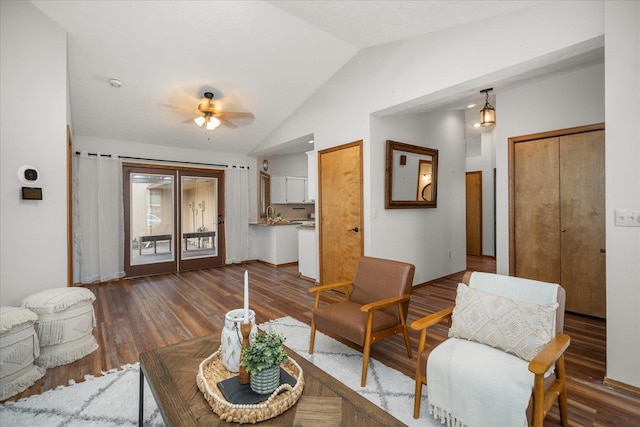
<point x="319" y="289"/>
<point x="543" y="361"/>
<point x="432" y="319"/>
<point x="385" y="303"/>
<point x="331" y="286"/>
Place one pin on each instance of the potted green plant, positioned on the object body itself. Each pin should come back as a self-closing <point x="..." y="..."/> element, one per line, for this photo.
<point x="262" y="360"/>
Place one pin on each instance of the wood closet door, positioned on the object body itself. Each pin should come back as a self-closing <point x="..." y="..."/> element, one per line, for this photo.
<point x="537" y="205"/>
<point x="582" y="217"/>
<point x="558" y="217"/>
<point x="474" y="212"/>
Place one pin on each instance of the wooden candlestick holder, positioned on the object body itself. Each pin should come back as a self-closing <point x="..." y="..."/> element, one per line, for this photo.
<point x="245" y="329"/>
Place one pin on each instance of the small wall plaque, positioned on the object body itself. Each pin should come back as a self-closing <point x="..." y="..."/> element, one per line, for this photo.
<point x="31" y="193"/>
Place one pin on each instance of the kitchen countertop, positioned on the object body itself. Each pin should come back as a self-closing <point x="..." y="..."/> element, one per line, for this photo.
<point x="276" y="224"/>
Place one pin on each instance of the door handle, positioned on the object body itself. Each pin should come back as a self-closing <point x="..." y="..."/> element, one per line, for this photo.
<point x="355" y="229"/>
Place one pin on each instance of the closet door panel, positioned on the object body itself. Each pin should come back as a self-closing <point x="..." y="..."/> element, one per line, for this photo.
<point x="536" y="203"/>
<point x="582" y="212"/>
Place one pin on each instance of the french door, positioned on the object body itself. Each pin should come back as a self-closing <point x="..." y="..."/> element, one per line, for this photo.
<point x="174" y="219"/>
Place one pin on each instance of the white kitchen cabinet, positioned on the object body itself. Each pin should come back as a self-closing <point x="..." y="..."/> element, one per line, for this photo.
<point x="307" y="253"/>
<point x="312" y="172"/>
<point x="288" y="189"/>
<point x="277" y="244"/>
<point x="306" y="191"/>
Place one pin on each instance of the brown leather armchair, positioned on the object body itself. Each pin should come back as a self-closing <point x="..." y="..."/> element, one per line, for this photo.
<point x="546" y="389"/>
<point x="376" y="306"/>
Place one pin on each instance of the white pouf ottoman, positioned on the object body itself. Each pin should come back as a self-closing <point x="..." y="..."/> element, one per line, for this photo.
<point x="65" y="324"/>
<point x="18" y="351"/>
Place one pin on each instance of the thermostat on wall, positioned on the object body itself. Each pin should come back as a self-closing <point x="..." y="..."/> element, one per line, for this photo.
<point x="31" y="193"/>
<point x="28" y="174"/>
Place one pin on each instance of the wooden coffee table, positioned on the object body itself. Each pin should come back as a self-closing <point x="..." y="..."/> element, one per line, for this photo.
<point x="171" y="374"/>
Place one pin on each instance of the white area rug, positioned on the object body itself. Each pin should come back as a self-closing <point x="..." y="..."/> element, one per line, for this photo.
<point x="105" y="401"/>
<point x="389" y="389"/>
<point x="112" y="399"/>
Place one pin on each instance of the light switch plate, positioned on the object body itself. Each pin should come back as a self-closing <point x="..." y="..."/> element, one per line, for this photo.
<point x="627" y="217"/>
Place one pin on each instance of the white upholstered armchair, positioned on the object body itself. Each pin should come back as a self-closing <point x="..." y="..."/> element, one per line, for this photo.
<point x="503" y="363"/>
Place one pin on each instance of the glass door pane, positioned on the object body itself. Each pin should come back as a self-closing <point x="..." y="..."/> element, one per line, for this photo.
<point x="149" y="221"/>
<point x="200" y="225"/>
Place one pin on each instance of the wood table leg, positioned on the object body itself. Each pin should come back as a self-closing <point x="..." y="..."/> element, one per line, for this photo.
<point x="141" y="400"/>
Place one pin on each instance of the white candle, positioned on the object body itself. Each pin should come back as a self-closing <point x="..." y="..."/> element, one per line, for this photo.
<point x="246" y="296"/>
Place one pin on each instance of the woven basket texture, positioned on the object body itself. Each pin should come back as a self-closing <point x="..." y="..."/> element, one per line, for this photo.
<point x="212" y="371"/>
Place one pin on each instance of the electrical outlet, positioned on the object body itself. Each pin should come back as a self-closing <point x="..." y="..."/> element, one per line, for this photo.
<point x="627" y="217"/>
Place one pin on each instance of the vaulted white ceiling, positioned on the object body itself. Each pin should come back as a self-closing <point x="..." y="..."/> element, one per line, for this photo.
<point x="263" y="57"/>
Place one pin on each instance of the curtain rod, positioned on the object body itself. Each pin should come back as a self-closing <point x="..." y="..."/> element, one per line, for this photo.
<point x="162" y="160"/>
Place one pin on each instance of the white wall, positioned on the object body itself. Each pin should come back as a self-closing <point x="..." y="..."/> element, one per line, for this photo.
<point x="622" y="157"/>
<point x="33" y="114"/>
<point x="422" y="237"/>
<point x="288" y="165"/>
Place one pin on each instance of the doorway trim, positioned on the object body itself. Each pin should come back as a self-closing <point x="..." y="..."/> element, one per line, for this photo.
<point x="178" y="263"/>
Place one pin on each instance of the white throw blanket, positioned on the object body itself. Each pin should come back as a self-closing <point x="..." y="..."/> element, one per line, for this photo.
<point x="456" y="364"/>
<point x="503" y="399"/>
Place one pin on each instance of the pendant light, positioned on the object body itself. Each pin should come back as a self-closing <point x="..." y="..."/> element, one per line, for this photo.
<point x="488" y="113"/>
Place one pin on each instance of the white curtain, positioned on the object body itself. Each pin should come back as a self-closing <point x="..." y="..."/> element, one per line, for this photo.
<point x="236" y="225"/>
<point x="98" y="219"/>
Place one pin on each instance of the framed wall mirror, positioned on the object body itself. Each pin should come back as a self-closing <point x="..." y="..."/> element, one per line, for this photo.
<point x="411" y="179"/>
<point x="264" y="197"/>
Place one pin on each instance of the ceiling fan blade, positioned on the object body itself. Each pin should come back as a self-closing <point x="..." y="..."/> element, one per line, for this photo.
<point x="231" y="114"/>
<point x="227" y="123"/>
<point x="173" y="107"/>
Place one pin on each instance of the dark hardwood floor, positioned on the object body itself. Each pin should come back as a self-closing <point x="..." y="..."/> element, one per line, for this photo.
<point x="141" y="314"/>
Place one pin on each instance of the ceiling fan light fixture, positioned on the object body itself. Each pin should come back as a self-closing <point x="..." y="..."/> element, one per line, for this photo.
<point x="212" y="123"/>
<point x="488" y="113"/>
<point x="200" y="120"/>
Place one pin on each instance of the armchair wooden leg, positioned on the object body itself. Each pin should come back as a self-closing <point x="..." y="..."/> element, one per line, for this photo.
<point x="407" y="343"/>
<point x="538" y="401"/>
<point x="562" y="398"/>
<point x="405" y="331"/>
<point x="312" y="339"/>
<point x="367" y="349"/>
<point x="417" y="397"/>
<point x="365" y="361"/>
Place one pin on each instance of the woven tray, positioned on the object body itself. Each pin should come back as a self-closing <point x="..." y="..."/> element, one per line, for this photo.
<point x="211" y="371"/>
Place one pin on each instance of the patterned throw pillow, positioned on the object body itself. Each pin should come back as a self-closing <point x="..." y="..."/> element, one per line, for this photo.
<point x="519" y="328"/>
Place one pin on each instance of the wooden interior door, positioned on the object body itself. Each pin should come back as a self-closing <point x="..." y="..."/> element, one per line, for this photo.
<point x="537" y="205"/>
<point x="340" y="198"/>
<point x="474" y="212"/>
<point x="557" y="214"/>
<point x="582" y="218"/>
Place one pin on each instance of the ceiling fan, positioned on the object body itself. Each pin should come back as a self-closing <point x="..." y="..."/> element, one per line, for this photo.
<point x="210" y="117"/>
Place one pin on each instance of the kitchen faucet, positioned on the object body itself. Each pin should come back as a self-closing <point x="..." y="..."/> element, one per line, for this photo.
<point x="270" y="217"/>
